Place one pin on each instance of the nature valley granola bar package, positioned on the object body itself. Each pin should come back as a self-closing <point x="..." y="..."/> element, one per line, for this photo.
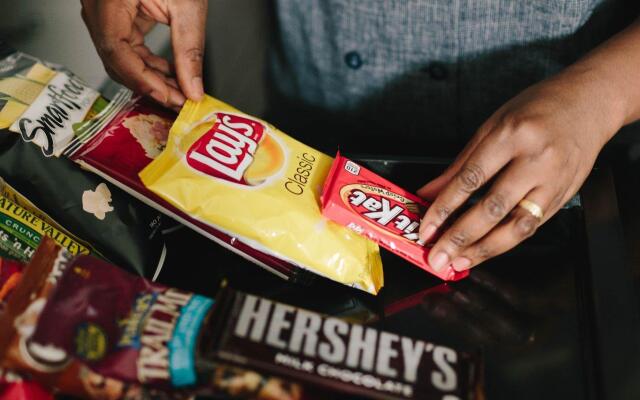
<point x="240" y="175"/>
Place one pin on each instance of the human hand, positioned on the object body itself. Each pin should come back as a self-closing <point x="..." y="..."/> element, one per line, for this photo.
<point x="118" y="27"/>
<point x="540" y="146"/>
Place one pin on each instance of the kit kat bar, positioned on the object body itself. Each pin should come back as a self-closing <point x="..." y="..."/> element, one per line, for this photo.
<point x="378" y="209"/>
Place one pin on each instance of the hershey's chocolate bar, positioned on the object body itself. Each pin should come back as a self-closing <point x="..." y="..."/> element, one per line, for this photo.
<point x="313" y="349"/>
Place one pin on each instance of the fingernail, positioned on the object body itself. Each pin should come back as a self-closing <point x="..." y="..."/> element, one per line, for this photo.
<point x="159" y="97"/>
<point x="427" y="232"/>
<point x="461" y="263"/>
<point x="196" y="87"/>
<point x="439" y="260"/>
<point x="177" y="99"/>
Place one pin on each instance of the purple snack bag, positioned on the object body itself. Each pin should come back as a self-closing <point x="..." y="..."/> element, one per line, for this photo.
<point x="120" y="325"/>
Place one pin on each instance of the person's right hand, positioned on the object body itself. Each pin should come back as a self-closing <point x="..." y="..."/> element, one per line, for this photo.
<point x="118" y="27"/>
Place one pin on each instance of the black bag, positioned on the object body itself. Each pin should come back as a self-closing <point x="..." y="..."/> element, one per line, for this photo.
<point x="128" y="235"/>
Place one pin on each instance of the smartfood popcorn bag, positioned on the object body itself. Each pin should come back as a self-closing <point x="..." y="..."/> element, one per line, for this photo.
<point x="243" y="176"/>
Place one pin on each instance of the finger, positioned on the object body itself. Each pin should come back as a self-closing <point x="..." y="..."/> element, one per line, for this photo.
<point x="153" y="61"/>
<point x="431" y="189"/>
<point x="511" y="186"/>
<point x="144" y="23"/>
<point x="135" y="74"/>
<point x="488" y="158"/>
<point x="519" y="226"/>
<point x="176" y="92"/>
<point x="176" y="98"/>
<point x="172" y="82"/>
<point x="155" y="10"/>
<point x="115" y="20"/>
<point x="187" y="38"/>
<point x="148" y="81"/>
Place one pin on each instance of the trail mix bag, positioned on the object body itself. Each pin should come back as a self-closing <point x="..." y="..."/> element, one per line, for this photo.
<point x="12" y="385"/>
<point x="238" y="174"/>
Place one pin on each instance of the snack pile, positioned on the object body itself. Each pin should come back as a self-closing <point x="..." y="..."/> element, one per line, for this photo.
<point x="73" y="321"/>
<point x="84" y="184"/>
<point x="48" y="195"/>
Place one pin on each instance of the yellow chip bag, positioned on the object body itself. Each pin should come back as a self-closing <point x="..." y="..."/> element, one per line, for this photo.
<point x="243" y="176"/>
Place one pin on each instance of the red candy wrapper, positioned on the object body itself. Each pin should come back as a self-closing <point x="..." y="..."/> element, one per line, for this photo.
<point x="357" y="198"/>
<point x="14" y="387"/>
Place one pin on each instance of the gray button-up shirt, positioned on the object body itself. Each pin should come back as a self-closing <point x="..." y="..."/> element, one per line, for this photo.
<point x="395" y="76"/>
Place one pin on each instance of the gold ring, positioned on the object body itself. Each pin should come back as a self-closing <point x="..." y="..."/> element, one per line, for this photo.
<point x="532" y="207"/>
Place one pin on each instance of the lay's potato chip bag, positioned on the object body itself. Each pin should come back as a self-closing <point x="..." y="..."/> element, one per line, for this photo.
<point x="243" y="176"/>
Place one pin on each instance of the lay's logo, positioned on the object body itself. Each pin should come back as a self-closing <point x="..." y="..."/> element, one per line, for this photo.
<point x="227" y="150"/>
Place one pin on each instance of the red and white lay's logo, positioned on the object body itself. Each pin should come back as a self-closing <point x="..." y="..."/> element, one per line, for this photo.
<point x="227" y="150"/>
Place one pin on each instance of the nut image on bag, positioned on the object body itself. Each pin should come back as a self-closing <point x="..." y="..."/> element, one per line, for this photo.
<point x="243" y="176"/>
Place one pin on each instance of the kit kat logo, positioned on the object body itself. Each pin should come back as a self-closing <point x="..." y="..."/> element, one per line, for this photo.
<point x="384" y="209"/>
<point x="227" y="150"/>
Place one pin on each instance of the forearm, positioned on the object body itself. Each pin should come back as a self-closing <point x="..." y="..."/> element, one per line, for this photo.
<point x="613" y="70"/>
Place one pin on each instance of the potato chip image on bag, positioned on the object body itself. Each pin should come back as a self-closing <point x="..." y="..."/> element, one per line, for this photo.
<point x="243" y="176"/>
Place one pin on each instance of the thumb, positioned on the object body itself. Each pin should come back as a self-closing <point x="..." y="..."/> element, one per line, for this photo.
<point x="187" y="39"/>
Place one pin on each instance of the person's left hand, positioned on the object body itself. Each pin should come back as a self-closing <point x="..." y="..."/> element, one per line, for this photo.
<point x="540" y="146"/>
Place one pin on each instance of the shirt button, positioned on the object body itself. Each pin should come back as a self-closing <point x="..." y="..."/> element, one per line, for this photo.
<point x="437" y="71"/>
<point x="353" y="60"/>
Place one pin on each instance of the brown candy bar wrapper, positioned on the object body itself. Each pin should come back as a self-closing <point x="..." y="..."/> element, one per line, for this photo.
<point x="280" y="339"/>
